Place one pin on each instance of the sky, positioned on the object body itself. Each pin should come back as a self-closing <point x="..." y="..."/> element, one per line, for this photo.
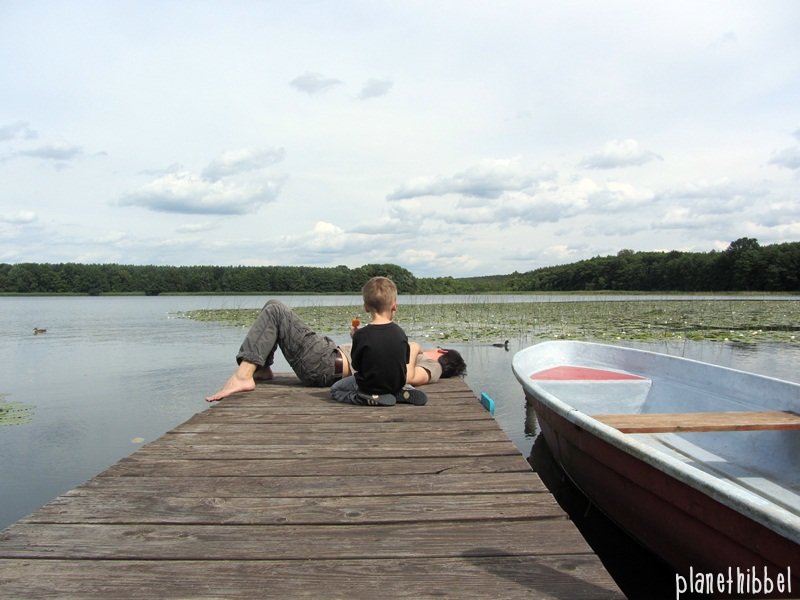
<point x="452" y="138"/>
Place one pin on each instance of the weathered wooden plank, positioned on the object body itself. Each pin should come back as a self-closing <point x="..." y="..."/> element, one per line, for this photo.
<point x="291" y="542"/>
<point x="287" y="383"/>
<point x="345" y="411"/>
<point x="497" y="576"/>
<point x="282" y="395"/>
<point x="288" y="406"/>
<point x="353" y="450"/>
<point x="333" y="427"/>
<point x="139" y="466"/>
<point x="349" y="411"/>
<point x="434" y="394"/>
<point x="326" y="404"/>
<point x="102" y="506"/>
<point x="270" y="487"/>
<point x="368" y="414"/>
<point x="773" y="420"/>
<point x="286" y="397"/>
<point x="291" y="438"/>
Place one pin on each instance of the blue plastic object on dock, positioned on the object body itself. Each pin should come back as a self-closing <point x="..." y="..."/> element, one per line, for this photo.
<point x="487" y="403"/>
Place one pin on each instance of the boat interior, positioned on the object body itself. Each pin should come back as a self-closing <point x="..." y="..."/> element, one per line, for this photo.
<point x="761" y="457"/>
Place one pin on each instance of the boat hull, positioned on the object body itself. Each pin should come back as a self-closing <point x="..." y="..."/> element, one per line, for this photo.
<point x="691" y="530"/>
<point x="686" y="528"/>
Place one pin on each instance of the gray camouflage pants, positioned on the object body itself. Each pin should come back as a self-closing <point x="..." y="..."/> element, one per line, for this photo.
<point x="311" y="355"/>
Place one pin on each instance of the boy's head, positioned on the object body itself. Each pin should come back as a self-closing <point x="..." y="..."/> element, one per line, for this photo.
<point x="380" y="295"/>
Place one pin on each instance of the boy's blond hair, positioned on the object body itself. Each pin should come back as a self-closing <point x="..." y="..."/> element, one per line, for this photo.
<point x="379" y="293"/>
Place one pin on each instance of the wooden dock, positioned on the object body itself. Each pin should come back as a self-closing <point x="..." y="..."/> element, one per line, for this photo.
<point x="282" y="493"/>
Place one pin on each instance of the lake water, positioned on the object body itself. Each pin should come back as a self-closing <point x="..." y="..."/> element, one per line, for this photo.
<point x="112" y="373"/>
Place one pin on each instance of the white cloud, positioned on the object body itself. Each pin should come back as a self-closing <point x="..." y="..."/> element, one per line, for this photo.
<point x="18" y="130"/>
<point x="242" y="161"/>
<point x="560" y="253"/>
<point x="184" y="192"/>
<point x="438" y="260"/>
<point x="195" y="227"/>
<point x="22" y="217"/>
<point x="619" y="153"/>
<point x="375" y="88"/>
<point x="59" y="151"/>
<point x="551" y="203"/>
<point x="173" y="168"/>
<point x="717" y="197"/>
<point x="399" y="221"/>
<point x="112" y="237"/>
<point x="488" y="179"/>
<point x="313" y="83"/>
<point x="777" y="214"/>
<point x="680" y="217"/>
<point x="788" y="158"/>
<point x="327" y="237"/>
<point x="727" y="215"/>
<point x="615" y="196"/>
<point x="233" y="184"/>
<point x="537" y="209"/>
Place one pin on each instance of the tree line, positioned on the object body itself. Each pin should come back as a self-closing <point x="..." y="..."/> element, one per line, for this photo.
<point x="743" y="266"/>
<point x="96" y="279"/>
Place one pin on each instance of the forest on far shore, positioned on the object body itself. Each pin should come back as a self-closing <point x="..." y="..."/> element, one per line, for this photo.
<point x="745" y="266"/>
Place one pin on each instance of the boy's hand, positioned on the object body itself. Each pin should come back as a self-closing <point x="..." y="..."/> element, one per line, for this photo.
<point x="354" y="326"/>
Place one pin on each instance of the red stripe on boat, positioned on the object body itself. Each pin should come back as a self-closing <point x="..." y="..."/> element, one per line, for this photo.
<point x="566" y="373"/>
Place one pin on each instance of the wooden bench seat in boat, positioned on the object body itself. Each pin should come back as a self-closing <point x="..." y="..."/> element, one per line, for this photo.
<point x="702" y="421"/>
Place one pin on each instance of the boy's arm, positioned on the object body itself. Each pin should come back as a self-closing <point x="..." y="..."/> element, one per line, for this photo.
<point x="355" y="350"/>
<point x="416" y="375"/>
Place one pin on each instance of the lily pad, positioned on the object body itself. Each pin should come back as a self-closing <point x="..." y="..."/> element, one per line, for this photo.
<point x="15" y="413"/>
<point x="638" y="319"/>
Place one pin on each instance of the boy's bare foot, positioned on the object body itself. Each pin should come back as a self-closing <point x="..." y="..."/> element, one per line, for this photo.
<point x="234" y="385"/>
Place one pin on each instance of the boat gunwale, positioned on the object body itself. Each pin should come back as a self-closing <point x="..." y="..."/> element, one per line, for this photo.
<point x="747" y="503"/>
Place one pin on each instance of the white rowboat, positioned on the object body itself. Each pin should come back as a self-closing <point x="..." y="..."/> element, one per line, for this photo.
<point x="699" y="463"/>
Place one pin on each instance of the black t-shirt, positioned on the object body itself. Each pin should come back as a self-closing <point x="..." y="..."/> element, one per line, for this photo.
<point x="380" y="355"/>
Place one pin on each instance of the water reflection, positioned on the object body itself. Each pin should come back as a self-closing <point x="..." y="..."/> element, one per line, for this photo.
<point x="532" y="428"/>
